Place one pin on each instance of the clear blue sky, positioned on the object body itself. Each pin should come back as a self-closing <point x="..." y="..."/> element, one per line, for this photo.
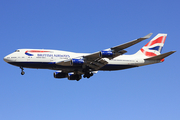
<point x="145" y="93"/>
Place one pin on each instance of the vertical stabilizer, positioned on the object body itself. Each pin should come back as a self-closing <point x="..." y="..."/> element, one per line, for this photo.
<point x="153" y="47"/>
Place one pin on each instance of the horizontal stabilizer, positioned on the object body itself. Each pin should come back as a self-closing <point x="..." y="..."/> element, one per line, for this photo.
<point x="159" y="57"/>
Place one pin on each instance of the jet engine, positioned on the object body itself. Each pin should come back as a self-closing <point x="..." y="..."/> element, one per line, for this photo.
<point x="106" y="54"/>
<point x="76" y="62"/>
<point x="60" y="75"/>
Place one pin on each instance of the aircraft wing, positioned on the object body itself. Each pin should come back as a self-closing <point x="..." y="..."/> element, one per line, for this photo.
<point x="128" y="44"/>
<point x="94" y="64"/>
<point x="117" y="50"/>
<point x="99" y="59"/>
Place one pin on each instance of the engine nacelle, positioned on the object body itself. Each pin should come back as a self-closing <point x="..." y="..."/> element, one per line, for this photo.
<point x="76" y="62"/>
<point x="60" y="75"/>
<point x="106" y="54"/>
<point x="74" y="77"/>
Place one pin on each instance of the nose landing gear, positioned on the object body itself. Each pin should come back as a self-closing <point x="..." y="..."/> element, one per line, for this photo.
<point x="22" y="72"/>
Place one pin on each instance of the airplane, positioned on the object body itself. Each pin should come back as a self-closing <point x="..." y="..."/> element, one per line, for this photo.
<point x="73" y="65"/>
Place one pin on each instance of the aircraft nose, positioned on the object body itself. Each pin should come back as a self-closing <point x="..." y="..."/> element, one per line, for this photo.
<point x="6" y="58"/>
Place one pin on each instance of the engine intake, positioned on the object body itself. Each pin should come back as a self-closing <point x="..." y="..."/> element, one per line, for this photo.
<point x="60" y="75"/>
<point x="76" y="62"/>
<point x="106" y="54"/>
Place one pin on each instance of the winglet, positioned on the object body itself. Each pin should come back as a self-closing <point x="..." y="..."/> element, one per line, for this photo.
<point x="148" y="36"/>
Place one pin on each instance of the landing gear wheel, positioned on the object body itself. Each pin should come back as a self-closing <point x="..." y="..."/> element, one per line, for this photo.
<point x="22" y="73"/>
<point x="88" y="74"/>
<point x="84" y="76"/>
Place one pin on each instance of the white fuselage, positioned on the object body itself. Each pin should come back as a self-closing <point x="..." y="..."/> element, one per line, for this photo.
<point x="47" y="59"/>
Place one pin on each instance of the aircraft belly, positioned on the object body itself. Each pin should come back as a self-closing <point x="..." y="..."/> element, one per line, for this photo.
<point x="53" y="66"/>
<point x="44" y="65"/>
<point x="110" y="67"/>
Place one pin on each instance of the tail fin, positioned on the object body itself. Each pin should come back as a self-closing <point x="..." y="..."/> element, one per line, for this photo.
<point x="153" y="47"/>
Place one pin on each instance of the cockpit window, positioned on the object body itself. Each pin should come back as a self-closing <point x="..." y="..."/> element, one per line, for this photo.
<point x="17" y="51"/>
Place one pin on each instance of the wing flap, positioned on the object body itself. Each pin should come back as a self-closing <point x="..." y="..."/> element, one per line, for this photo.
<point x="97" y="64"/>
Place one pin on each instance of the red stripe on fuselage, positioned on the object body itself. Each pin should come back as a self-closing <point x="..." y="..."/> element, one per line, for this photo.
<point x="36" y="51"/>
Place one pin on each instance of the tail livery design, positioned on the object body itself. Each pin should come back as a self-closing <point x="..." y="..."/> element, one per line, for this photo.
<point x="153" y="47"/>
<point x="152" y="50"/>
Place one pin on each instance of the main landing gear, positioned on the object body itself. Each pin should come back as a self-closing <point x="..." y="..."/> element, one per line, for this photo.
<point x="22" y="72"/>
<point x="88" y="74"/>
